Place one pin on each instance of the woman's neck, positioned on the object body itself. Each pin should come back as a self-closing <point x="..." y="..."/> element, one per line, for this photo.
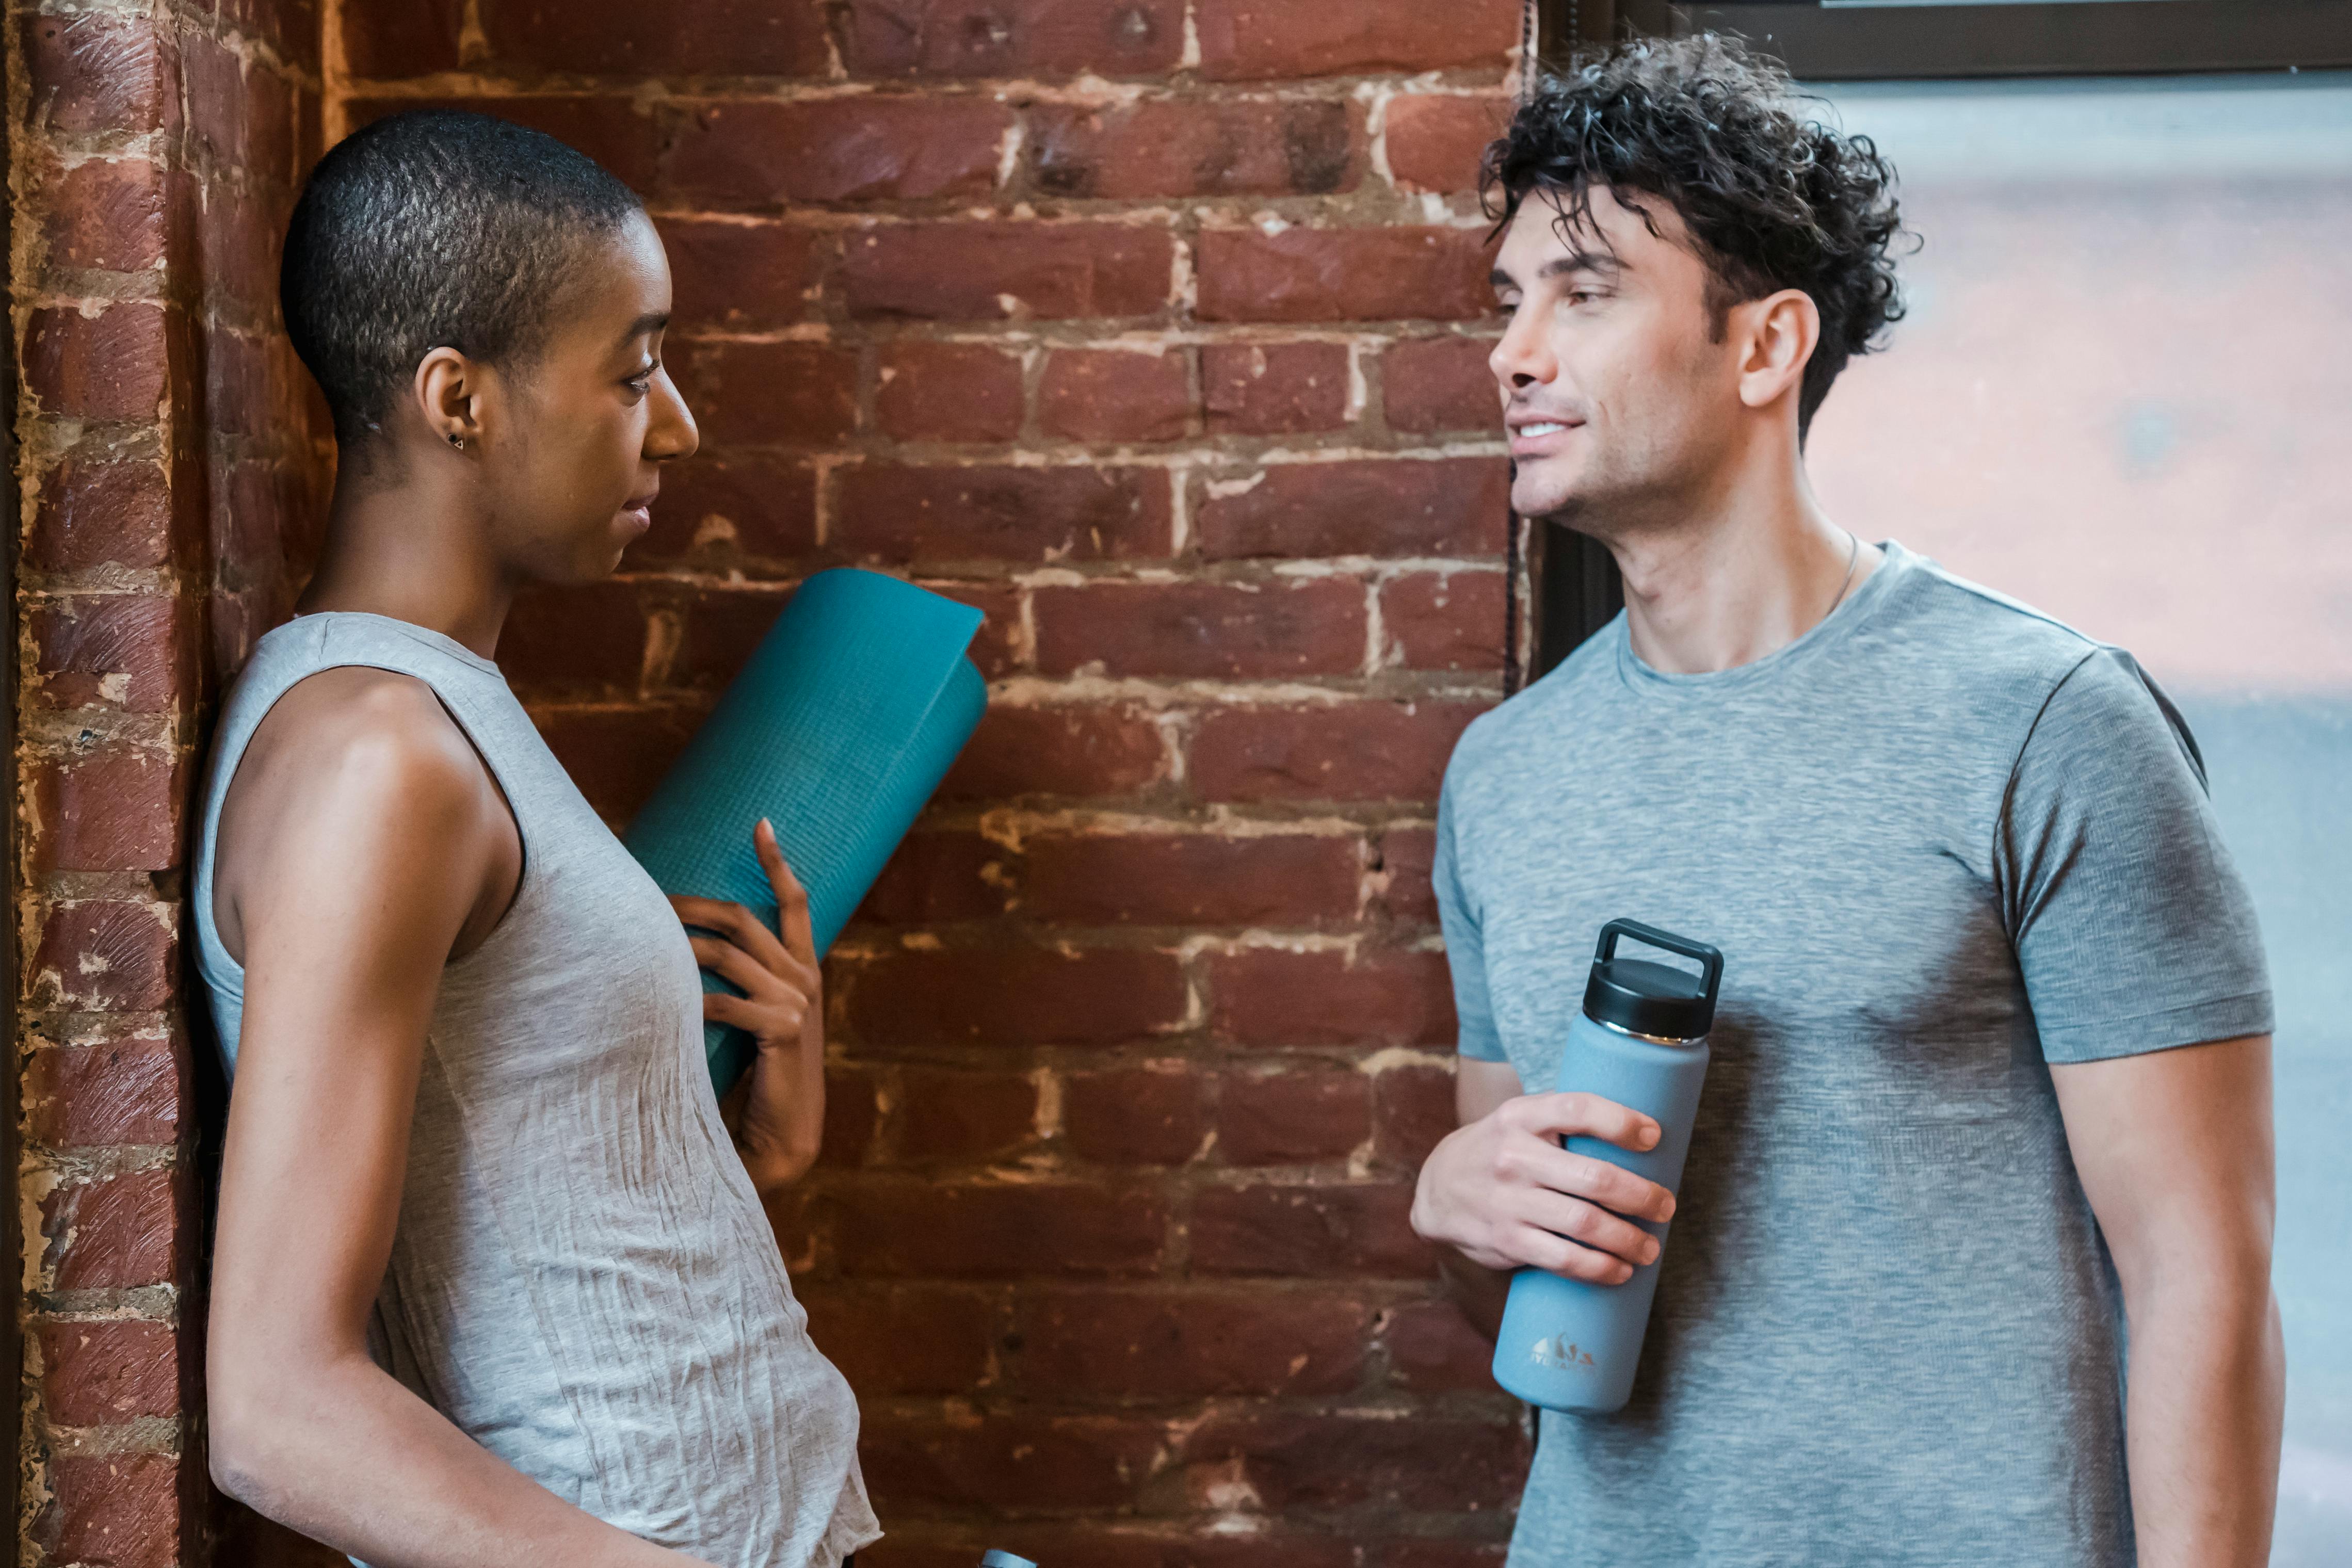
<point x="415" y="556"/>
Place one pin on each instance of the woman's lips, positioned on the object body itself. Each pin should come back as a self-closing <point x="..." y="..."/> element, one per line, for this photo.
<point x="640" y="515"/>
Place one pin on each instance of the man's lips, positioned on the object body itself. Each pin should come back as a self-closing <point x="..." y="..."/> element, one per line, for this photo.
<point x="1533" y="435"/>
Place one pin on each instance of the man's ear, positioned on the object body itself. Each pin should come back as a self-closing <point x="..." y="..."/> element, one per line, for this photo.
<point x="448" y="395"/>
<point x="1778" y="336"/>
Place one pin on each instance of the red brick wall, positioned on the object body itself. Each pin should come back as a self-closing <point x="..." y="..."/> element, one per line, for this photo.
<point x="168" y="474"/>
<point x="1152" y="328"/>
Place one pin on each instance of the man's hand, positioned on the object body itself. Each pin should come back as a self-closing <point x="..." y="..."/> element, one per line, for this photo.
<point x="1502" y="1191"/>
<point x="778" y="1115"/>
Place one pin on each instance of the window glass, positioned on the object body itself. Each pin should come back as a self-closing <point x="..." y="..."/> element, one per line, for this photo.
<point x="2122" y="395"/>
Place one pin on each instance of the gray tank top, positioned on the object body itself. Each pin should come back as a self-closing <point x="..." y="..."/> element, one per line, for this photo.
<point x="581" y="1278"/>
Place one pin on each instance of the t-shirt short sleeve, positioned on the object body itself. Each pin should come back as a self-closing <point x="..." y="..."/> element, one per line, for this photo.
<point x="1465" y="953"/>
<point x="2132" y="929"/>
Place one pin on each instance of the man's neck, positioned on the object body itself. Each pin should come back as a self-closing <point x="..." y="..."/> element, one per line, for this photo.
<point x="416" y="554"/>
<point x="1734" y="579"/>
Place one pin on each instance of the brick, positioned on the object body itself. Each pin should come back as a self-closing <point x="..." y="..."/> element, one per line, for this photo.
<point x="112" y="365"/>
<point x="1443" y="620"/>
<point x="109" y="811"/>
<point x="618" y="38"/>
<point x="1409" y="506"/>
<point x="852" y="1111"/>
<point x="866" y="148"/>
<point x="1406" y="857"/>
<point x="102" y="1373"/>
<point x="1441" y="383"/>
<point x="238" y="398"/>
<point x="239" y="114"/>
<point x="113" y="1233"/>
<point x="1433" y="1349"/>
<point x="1287" y="1118"/>
<point x="752" y="273"/>
<point x="996" y="647"/>
<point x="116" y="1091"/>
<point x="1308" y="1231"/>
<point x="1272" y="996"/>
<point x="893" y="1227"/>
<point x="717" y="629"/>
<point x="1310" y="626"/>
<point x="122" y="651"/>
<point x="106" y="1093"/>
<point x="1192" y="879"/>
<point x="1013" y="995"/>
<point x="1015" y="38"/>
<point x="1413" y="1108"/>
<point x="1344" y="275"/>
<point x="922" y="517"/>
<point x="1199" y="147"/>
<point x="96" y="513"/>
<point x="768" y="394"/>
<point x="617" y="131"/>
<point x="581" y="639"/>
<point x="938" y="877"/>
<point x="1150" y="1116"/>
<point x="902" y="1338"/>
<point x="1092" y="1343"/>
<point x="1270" y="38"/>
<point x="106" y="214"/>
<point x="1001" y="270"/>
<point x="1429" y="1553"/>
<point x="1302" y="1461"/>
<point x="1274" y="389"/>
<point x="1347" y="751"/>
<point x="106" y="954"/>
<point x="948" y="392"/>
<point x="255" y="518"/>
<point x="1008" y="1461"/>
<point x="114" y="1510"/>
<point x="1115" y="394"/>
<point x="1436" y="140"/>
<point x="100" y="71"/>
<point x="737" y="507"/>
<point x="237" y="238"/>
<point x="1079" y="750"/>
<point x="964" y="1116"/>
<point x="414" y="39"/>
<point x="617" y="755"/>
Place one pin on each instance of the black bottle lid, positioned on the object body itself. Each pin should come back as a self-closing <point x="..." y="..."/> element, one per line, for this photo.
<point x="1657" y="999"/>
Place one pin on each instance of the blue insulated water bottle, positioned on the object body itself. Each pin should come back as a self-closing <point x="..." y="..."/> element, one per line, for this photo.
<point x="1641" y="1041"/>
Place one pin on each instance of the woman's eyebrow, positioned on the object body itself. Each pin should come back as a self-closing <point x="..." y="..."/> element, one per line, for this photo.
<point x="651" y="321"/>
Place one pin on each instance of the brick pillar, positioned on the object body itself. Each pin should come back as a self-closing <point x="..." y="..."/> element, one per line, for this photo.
<point x="1156" y="329"/>
<point x="168" y="472"/>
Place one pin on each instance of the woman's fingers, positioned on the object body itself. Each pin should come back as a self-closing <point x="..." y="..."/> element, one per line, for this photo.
<point x="791" y="898"/>
<point x="740" y="926"/>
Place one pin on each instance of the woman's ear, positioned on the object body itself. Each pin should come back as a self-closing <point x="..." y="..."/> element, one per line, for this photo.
<point x="1781" y="331"/>
<point x="449" y="394"/>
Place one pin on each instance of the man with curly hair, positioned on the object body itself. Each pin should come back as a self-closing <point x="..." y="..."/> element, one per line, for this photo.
<point x="1991" y="1070"/>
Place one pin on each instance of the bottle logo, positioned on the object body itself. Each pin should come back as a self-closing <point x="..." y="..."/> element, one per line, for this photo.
<point x="1556" y="1351"/>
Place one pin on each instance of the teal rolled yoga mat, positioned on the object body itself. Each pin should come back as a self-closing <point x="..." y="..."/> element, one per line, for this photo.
<point x="837" y="731"/>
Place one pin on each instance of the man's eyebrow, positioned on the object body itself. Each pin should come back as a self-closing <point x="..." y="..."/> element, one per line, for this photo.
<point x="651" y="321"/>
<point x="1593" y="261"/>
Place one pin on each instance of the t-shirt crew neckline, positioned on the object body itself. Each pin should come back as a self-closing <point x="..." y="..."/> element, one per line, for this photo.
<point x="1839" y="624"/>
<point x="440" y="642"/>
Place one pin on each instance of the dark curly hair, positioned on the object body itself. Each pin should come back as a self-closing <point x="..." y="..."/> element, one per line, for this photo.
<point x="1771" y="197"/>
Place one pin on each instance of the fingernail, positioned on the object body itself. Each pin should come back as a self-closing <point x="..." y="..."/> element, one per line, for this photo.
<point x="1649" y="1134"/>
<point x="1650" y="1250"/>
<point x="1667" y="1212"/>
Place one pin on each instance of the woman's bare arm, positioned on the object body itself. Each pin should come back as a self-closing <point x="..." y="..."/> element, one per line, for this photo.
<point x="364" y="842"/>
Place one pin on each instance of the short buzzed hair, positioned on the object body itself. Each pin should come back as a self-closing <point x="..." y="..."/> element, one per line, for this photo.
<point x="435" y="228"/>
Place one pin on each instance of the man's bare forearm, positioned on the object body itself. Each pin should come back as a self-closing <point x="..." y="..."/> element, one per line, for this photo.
<point x="2207" y="1389"/>
<point x="348" y="1455"/>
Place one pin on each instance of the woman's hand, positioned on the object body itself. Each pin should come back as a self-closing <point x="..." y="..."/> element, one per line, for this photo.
<point x="777" y="1113"/>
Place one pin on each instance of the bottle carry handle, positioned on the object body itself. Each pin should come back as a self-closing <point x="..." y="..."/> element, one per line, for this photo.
<point x="1710" y="960"/>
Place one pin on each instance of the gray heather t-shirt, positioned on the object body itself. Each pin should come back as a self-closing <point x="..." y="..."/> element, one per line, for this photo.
<point x="1943" y="842"/>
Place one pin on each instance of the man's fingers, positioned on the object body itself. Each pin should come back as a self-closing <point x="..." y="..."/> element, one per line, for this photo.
<point x="791" y="898"/>
<point x="1547" y="1164"/>
<point x="1543" y="1249"/>
<point x="1584" y="1115"/>
<point x="1588" y="1224"/>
